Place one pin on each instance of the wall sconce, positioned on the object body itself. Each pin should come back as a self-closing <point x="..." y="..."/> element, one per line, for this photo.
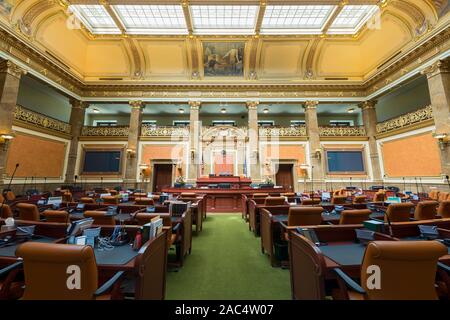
<point x="145" y="169"/>
<point x="5" y="140"/>
<point x="318" y="154"/>
<point x="131" y="153"/>
<point x="442" y="140"/>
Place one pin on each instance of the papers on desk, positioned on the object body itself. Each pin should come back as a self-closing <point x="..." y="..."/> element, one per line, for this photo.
<point x="152" y="229"/>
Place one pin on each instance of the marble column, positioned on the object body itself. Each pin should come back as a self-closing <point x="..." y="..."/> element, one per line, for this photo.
<point x="77" y="116"/>
<point x="253" y="141"/>
<point x="439" y="85"/>
<point x="315" y="150"/>
<point x="137" y="107"/>
<point x="194" y="141"/>
<point x="10" y="75"/>
<point x="369" y="115"/>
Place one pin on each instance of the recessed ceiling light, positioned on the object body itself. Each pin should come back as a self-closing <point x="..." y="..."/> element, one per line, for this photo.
<point x="266" y="110"/>
<point x="223" y="110"/>
<point x="351" y="110"/>
<point x="181" y="110"/>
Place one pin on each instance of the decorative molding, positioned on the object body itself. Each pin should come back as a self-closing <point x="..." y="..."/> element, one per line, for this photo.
<point x="137" y="104"/>
<point x="252" y="105"/>
<point x="118" y="131"/>
<point x="440" y="66"/>
<point x="28" y="18"/>
<point x="25" y="116"/>
<point x="310" y="105"/>
<point x="152" y="131"/>
<point x="12" y="69"/>
<point x="195" y="105"/>
<point x="370" y="104"/>
<point x="358" y="131"/>
<point x="299" y="131"/>
<point x="406" y="121"/>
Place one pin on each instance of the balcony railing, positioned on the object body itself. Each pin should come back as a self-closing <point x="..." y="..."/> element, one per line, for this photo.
<point x="152" y="131"/>
<point x="358" y="131"/>
<point x="116" y="131"/>
<point x="406" y="120"/>
<point x="299" y="131"/>
<point x="26" y="116"/>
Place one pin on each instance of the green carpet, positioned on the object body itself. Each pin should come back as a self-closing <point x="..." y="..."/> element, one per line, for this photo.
<point x="226" y="263"/>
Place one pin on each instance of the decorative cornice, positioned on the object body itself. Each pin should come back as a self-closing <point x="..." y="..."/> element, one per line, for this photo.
<point x="440" y="66"/>
<point x="311" y="104"/>
<point x="195" y="105"/>
<point x="12" y="69"/>
<point x="78" y="104"/>
<point x="370" y="104"/>
<point x="252" y="105"/>
<point x="137" y="104"/>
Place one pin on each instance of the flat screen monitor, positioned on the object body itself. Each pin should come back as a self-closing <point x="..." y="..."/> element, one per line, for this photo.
<point x="80" y="207"/>
<point x="394" y="200"/>
<point x="326" y="196"/>
<point x="104" y="195"/>
<point x="41" y="202"/>
<point x="54" y="201"/>
<point x="102" y="161"/>
<point x="345" y="161"/>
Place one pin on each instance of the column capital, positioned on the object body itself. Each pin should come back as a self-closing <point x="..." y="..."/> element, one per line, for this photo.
<point x="369" y="104"/>
<point x="311" y="104"/>
<point x="11" y="68"/>
<point x="195" y="105"/>
<point x="440" y="66"/>
<point x="137" y="104"/>
<point x="252" y="105"/>
<point x="78" y="104"/>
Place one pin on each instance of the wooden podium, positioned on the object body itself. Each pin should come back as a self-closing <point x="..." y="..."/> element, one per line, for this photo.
<point x="235" y="182"/>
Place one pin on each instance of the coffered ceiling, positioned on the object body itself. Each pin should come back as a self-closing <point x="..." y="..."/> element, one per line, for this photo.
<point x="231" y="42"/>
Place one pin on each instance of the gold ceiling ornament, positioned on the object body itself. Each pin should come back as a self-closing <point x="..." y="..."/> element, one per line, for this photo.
<point x="358" y="131"/>
<point x="27" y="116"/>
<point x="117" y="131"/>
<point x="409" y="119"/>
<point x="26" y="22"/>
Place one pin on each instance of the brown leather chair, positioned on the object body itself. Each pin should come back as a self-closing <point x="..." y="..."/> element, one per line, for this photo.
<point x="426" y="210"/>
<point x="47" y="269"/>
<point x="359" y="199"/>
<point x="288" y="194"/>
<point x="444" y="209"/>
<point x="5" y="211"/>
<point x="275" y="201"/>
<point x="2" y="198"/>
<point x="339" y="192"/>
<point x="399" y="212"/>
<point x="56" y="216"/>
<point x="408" y="270"/>
<point x="434" y="195"/>
<point x="310" y="202"/>
<point x="305" y="216"/>
<point x="145" y="201"/>
<point x="260" y="195"/>
<point x="379" y="197"/>
<point x="443" y="196"/>
<point x="101" y="218"/>
<point x="28" y="211"/>
<point x="67" y="197"/>
<point x="338" y="199"/>
<point x="111" y="200"/>
<point x="87" y="200"/>
<point x="189" y="195"/>
<point x="354" y="216"/>
<point x="10" y="196"/>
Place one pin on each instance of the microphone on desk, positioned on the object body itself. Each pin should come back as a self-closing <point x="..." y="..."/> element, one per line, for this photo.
<point x="389" y="224"/>
<point x="24" y="184"/>
<point x="417" y="186"/>
<point x="9" y="188"/>
<point x="45" y="185"/>
<point x="75" y="181"/>
<point x="448" y="181"/>
<point x="404" y="185"/>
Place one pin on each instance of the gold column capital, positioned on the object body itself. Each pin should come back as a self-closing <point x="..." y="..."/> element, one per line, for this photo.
<point x="440" y="66"/>
<point x="311" y="104"/>
<point x="369" y="104"/>
<point x="78" y="104"/>
<point x="252" y="105"/>
<point x="6" y="66"/>
<point x="137" y="104"/>
<point x="195" y="105"/>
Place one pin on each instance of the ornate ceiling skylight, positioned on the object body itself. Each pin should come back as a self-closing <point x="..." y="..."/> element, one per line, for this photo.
<point x="352" y="18"/>
<point x="95" y="18"/>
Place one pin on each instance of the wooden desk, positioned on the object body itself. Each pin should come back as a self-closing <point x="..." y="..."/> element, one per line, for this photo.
<point x="223" y="200"/>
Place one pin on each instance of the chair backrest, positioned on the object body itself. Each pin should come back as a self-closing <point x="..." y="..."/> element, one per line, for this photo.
<point x="5" y="211"/>
<point x="56" y="216"/>
<point x="443" y="196"/>
<point x="87" y="200"/>
<point x="338" y="199"/>
<point x="434" y="195"/>
<point x="100" y="218"/>
<point x="190" y="195"/>
<point x="28" y="211"/>
<point x="407" y="269"/>
<point x="110" y="200"/>
<point x="2" y="198"/>
<point x="398" y="212"/>
<point x="288" y="194"/>
<point x="145" y="201"/>
<point x="444" y="209"/>
<point x="67" y="196"/>
<point x="260" y="195"/>
<point x="339" y="192"/>
<point x="275" y="201"/>
<point x="307" y="269"/>
<point x="379" y="196"/>
<point x="354" y="216"/>
<point x="10" y="196"/>
<point x="48" y="266"/>
<point x="305" y="216"/>
<point x="310" y="202"/>
<point x="426" y="210"/>
<point x="360" y="199"/>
